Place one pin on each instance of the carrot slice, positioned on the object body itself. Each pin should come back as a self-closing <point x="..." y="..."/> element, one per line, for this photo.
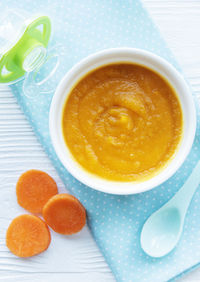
<point x="64" y="214"/>
<point x="34" y="188"/>
<point x="27" y="235"/>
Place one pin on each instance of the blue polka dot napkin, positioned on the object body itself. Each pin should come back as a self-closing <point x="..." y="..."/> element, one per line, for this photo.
<point x="84" y="27"/>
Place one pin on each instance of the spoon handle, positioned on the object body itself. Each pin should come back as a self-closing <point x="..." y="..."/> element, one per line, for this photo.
<point x="184" y="196"/>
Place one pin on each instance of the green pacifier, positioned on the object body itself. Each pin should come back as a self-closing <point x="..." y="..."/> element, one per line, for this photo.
<point x="27" y="53"/>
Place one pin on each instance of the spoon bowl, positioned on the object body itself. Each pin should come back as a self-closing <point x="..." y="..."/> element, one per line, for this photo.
<point x="162" y="230"/>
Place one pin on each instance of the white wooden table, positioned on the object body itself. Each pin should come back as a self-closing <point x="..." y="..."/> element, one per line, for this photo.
<point x="79" y="257"/>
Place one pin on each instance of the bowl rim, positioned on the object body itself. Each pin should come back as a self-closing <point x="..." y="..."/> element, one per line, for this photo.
<point x="92" y="62"/>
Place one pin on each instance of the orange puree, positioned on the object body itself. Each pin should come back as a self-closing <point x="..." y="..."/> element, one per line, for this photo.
<point x="122" y="122"/>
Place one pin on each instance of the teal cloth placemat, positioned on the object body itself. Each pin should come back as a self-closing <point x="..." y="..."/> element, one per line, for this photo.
<point x="84" y="27"/>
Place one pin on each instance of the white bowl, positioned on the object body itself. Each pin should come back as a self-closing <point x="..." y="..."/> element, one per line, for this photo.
<point x="105" y="57"/>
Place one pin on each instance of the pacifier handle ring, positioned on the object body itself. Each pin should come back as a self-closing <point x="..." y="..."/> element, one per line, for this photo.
<point x="44" y="35"/>
<point x="6" y="78"/>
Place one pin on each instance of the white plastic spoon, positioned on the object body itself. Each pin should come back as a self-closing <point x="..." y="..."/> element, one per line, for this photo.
<point x="162" y="230"/>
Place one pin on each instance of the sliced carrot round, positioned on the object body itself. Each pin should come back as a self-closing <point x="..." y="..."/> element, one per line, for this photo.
<point x="64" y="214"/>
<point x="27" y="235"/>
<point x="34" y="188"/>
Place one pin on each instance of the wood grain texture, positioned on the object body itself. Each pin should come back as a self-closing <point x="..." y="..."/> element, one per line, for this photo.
<point x="179" y="22"/>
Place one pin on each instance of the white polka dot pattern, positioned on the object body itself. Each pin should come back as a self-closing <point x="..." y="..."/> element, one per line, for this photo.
<point x="84" y="27"/>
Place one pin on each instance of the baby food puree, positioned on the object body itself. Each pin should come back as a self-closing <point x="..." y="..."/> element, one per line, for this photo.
<point x="122" y="122"/>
